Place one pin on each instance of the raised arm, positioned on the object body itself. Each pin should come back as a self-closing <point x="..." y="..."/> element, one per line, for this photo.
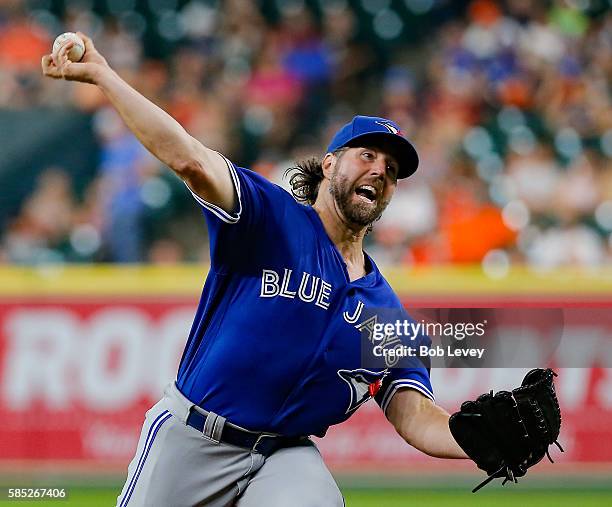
<point x="203" y="169"/>
<point x="423" y="424"/>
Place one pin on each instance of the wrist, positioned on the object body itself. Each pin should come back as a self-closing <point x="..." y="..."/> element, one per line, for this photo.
<point x="102" y="75"/>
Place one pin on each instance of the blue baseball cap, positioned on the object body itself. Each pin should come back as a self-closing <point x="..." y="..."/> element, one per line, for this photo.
<point x="369" y="128"/>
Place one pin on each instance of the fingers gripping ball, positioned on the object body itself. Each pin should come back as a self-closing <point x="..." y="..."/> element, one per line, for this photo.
<point x="76" y="52"/>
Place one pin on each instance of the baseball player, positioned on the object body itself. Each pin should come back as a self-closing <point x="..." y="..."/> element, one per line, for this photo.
<point x="273" y="355"/>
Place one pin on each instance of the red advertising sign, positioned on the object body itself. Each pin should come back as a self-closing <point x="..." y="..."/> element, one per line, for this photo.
<point x="77" y="376"/>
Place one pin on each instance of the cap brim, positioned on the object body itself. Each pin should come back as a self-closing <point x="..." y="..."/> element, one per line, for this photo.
<point x="407" y="156"/>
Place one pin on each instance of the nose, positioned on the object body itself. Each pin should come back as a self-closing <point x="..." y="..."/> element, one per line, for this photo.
<point x="379" y="168"/>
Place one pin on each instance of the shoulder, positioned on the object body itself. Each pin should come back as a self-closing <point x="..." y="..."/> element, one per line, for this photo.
<point x="268" y="205"/>
<point x="254" y="181"/>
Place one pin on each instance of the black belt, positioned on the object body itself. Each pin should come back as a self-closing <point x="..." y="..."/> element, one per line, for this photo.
<point x="261" y="443"/>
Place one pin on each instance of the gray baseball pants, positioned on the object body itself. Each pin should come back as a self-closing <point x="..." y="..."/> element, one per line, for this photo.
<point x="176" y="465"/>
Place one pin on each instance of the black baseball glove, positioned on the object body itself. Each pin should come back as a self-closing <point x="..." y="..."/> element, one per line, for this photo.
<point x="508" y="432"/>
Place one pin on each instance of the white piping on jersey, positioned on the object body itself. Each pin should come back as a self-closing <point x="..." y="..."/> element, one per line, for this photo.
<point x="216" y="210"/>
<point x="396" y="384"/>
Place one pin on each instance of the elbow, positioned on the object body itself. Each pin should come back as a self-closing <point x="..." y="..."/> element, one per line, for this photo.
<point x="194" y="163"/>
<point x="417" y="438"/>
<point x="403" y="427"/>
<point x="190" y="161"/>
<point x="185" y="167"/>
<point x="413" y="428"/>
<point x="189" y="170"/>
<point x="407" y="435"/>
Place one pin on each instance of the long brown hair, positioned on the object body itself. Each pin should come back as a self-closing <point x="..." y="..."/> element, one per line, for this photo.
<point x="306" y="178"/>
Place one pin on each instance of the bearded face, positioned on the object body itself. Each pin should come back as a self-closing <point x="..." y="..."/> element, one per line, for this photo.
<point x="361" y="203"/>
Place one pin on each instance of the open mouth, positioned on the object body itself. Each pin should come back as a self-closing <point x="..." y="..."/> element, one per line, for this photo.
<point x="367" y="192"/>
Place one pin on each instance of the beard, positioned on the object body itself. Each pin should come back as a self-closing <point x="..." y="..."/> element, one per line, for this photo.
<point x="356" y="212"/>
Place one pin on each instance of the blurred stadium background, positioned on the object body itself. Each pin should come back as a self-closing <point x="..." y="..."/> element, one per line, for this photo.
<point x="103" y="253"/>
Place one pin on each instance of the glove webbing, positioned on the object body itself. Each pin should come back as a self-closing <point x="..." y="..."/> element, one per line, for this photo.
<point x="542" y="426"/>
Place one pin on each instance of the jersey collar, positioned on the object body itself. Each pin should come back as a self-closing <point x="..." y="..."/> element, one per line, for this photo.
<point x="373" y="274"/>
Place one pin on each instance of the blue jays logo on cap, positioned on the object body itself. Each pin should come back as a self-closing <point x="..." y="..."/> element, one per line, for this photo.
<point x="369" y="128"/>
<point x="390" y="127"/>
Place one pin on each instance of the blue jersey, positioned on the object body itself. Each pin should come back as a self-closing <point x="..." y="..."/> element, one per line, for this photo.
<point x="274" y="345"/>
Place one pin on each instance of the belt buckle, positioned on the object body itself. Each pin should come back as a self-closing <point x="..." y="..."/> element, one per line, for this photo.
<point x="261" y="438"/>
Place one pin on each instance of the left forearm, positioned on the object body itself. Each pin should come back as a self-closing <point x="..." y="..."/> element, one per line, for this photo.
<point x="430" y="434"/>
<point x="423" y="424"/>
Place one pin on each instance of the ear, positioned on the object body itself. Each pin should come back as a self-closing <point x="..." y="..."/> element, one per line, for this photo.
<point x="328" y="164"/>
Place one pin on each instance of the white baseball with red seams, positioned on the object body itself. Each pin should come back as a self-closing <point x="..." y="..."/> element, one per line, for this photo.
<point x="76" y="52"/>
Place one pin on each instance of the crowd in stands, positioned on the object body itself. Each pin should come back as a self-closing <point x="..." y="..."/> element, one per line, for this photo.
<point x="508" y="103"/>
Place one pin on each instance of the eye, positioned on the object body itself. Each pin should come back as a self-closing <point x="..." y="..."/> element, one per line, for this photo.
<point x="368" y="155"/>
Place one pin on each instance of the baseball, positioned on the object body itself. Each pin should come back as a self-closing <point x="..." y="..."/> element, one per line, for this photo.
<point x="76" y="52"/>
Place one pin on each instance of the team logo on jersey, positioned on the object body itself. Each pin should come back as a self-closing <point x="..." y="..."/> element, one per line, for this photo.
<point x="364" y="384"/>
<point x="390" y="128"/>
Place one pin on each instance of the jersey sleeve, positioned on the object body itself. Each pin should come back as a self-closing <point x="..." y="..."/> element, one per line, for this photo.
<point x="255" y="224"/>
<point x="413" y="372"/>
<point x="414" y="378"/>
<point x="214" y="211"/>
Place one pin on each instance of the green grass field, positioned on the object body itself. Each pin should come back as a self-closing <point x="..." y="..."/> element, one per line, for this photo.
<point x="89" y="497"/>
